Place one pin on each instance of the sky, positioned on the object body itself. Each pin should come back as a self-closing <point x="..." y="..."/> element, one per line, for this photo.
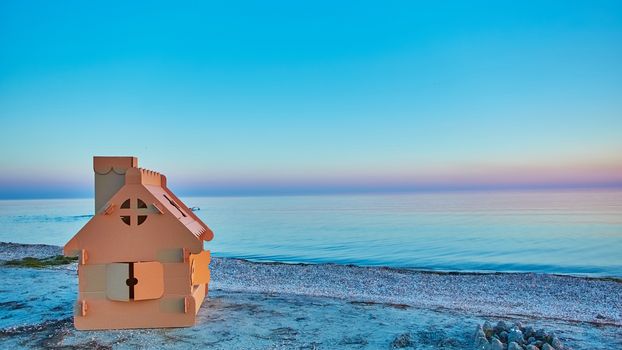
<point x="288" y="97"/>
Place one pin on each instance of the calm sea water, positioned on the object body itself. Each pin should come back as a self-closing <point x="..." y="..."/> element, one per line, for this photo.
<point x="570" y="232"/>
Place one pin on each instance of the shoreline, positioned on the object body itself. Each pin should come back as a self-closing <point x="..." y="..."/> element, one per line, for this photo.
<point x="561" y="297"/>
<point x="11" y="251"/>
<point x="427" y="271"/>
<point x="584" y="312"/>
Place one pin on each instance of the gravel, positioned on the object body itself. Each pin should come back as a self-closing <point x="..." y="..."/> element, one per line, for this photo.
<point x="514" y="295"/>
<point x="13" y="251"/>
<point x="526" y="295"/>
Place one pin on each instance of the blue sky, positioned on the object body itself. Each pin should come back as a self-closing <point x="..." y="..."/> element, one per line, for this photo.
<point x="292" y="97"/>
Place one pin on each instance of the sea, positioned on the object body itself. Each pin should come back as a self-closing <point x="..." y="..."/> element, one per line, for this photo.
<point x="575" y="232"/>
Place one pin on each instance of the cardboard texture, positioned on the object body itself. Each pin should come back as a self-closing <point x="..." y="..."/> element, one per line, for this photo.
<point x="142" y="262"/>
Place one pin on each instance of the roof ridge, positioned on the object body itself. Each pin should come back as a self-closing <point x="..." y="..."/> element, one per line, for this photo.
<point x="145" y="177"/>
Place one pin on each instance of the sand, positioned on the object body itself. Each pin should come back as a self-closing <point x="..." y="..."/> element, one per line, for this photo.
<point x="272" y="305"/>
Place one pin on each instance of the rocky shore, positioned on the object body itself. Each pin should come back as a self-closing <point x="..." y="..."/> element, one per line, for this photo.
<point x="514" y="337"/>
<point x="271" y="305"/>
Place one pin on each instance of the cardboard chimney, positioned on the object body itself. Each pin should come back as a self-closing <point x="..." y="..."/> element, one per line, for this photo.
<point x="141" y="257"/>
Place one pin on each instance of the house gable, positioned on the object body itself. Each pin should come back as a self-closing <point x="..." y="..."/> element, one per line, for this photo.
<point x="137" y="224"/>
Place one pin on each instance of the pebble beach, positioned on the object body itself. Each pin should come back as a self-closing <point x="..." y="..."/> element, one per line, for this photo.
<point x="275" y="305"/>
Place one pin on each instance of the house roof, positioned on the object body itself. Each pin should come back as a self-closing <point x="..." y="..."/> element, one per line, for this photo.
<point x="117" y="177"/>
<point x="155" y="183"/>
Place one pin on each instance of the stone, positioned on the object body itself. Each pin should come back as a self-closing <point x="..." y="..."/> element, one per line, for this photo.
<point x="546" y="346"/>
<point x="402" y="341"/>
<point x="488" y="329"/>
<point x="529" y="332"/>
<point x="501" y="326"/>
<point x="518" y="325"/>
<point x="540" y="334"/>
<point x="514" y="346"/>
<point x="557" y="344"/>
<point x="531" y="347"/>
<point x="531" y="340"/>
<point x="503" y="336"/>
<point x="479" y="332"/>
<point x="496" y="344"/>
<point x="481" y="343"/>
<point x="516" y="336"/>
<point x="549" y="338"/>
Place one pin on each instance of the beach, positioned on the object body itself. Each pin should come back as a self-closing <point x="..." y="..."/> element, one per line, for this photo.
<point x="255" y="305"/>
<point x="311" y="175"/>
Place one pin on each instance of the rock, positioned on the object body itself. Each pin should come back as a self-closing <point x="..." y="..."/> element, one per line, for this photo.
<point x="549" y="337"/>
<point x="481" y="343"/>
<point x="495" y="344"/>
<point x="501" y="326"/>
<point x="479" y="332"/>
<point x="514" y="346"/>
<point x="503" y="336"/>
<point x="557" y="344"/>
<point x="516" y="336"/>
<point x="529" y="332"/>
<point x="402" y="341"/>
<point x="488" y="329"/>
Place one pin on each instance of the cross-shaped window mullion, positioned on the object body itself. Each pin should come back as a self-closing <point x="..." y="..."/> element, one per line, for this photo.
<point x="129" y="212"/>
<point x="134" y="214"/>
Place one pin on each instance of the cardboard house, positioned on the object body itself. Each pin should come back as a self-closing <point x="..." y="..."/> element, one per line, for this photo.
<point x="141" y="257"/>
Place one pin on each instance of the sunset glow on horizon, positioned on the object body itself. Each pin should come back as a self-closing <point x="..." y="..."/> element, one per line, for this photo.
<point x="247" y="99"/>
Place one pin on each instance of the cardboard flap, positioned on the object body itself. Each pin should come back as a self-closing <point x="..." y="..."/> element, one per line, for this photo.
<point x="200" y="267"/>
<point x="150" y="284"/>
<point x="117" y="275"/>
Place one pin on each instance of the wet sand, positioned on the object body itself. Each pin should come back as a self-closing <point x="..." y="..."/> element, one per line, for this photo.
<point x="270" y="305"/>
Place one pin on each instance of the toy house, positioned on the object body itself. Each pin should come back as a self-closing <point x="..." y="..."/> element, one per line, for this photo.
<point x="141" y="257"/>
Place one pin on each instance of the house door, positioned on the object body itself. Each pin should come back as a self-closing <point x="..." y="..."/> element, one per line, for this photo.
<point x="134" y="281"/>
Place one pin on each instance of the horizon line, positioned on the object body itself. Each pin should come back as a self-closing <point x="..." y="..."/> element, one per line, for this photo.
<point x="292" y="192"/>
